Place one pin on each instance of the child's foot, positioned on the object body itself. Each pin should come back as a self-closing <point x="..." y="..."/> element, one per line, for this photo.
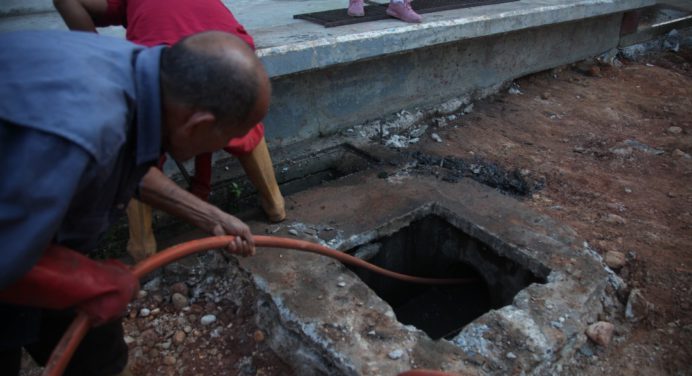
<point x="355" y="8"/>
<point x="403" y="11"/>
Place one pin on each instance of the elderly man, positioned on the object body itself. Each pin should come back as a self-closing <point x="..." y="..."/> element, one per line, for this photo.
<point x="82" y="121"/>
<point x="155" y="22"/>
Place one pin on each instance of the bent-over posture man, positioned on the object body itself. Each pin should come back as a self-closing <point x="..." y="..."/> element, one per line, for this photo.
<point x="87" y="117"/>
<point x="156" y="22"/>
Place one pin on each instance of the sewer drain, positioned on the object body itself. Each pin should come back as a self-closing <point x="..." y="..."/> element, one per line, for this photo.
<point x="432" y="247"/>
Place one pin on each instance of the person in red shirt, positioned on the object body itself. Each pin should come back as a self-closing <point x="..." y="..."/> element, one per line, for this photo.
<point x="156" y="22"/>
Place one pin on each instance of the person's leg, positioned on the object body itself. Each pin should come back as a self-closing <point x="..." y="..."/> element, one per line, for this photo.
<point x="402" y="10"/>
<point x="201" y="182"/>
<point x="102" y="352"/>
<point x="10" y="361"/>
<point x="355" y="8"/>
<point x="142" y="242"/>
<point x="259" y="169"/>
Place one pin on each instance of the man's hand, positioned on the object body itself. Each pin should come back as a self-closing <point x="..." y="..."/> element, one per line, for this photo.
<point x="63" y="278"/>
<point x="157" y="190"/>
<point x="243" y="244"/>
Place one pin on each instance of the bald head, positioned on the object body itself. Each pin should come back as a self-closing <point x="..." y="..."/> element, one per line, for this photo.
<point x="216" y="72"/>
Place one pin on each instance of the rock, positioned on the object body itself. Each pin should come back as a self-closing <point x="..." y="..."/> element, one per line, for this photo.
<point x="179" y="300"/>
<point x="152" y="285"/>
<point x="436" y="137"/>
<point x="179" y="337"/>
<point x="144" y="312"/>
<point x="258" y="336"/>
<point x="341" y="284"/>
<point x="678" y="154"/>
<point x="600" y="332"/>
<point x="142" y="294"/>
<point x="128" y="340"/>
<point x="207" y="319"/>
<point x="637" y="306"/>
<point x="149" y="337"/>
<point x="181" y="288"/>
<point x="615" y="219"/>
<point x="396" y="354"/>
<point x="187" y="329"/>
<point x="545" y="95"/>
<point x="674" y="130"/>
<point x="614" y="259"/>
<point x="165" y="345"/>
<point x="169" y="360"/>
<point x="293" y="232"/>
<point x="511" y="355"/>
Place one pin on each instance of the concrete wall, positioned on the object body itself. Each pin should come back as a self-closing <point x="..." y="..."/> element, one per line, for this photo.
<point x="321" y="102"/>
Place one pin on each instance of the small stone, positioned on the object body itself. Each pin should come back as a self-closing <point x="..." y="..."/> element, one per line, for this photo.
<point x="637" y="306"/>
<point x="628" y="190"/>
<point x="614" y="259"/>
<point x="181" y="288"/>
<point x="142" y="294"/>
<point x="128" y="340"/>
<point x="293" y="232"/>
<point x="677" y="154"/>
<point x="187" y="329"/>
<point x="144" y="312"/>
<point x="436" y="137"/>
<point x="179" y="300"/>
<point x="156" y="311"/>
<point x="545" y="95"/>
<point x="166" y="345"/>
<point x="341" y="284"/>
<point x="207" y="319"/>
<point x="615" y="219"/>
<point x="258" y="335"/>
<point x="169" y="360"/>
<point x="601" y="333"/>
<point x="674" y="130"/>
<point x="511" y="355"/>
<point x="179" y="337"/>
<point x="149" y="337"/>
<point x="396" y="354"/>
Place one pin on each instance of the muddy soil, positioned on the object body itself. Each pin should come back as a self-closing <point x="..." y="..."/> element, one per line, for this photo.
<point x="611" y="147"/>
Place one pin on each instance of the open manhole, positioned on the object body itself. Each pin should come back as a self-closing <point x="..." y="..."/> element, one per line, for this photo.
<point x="432" y="247"/>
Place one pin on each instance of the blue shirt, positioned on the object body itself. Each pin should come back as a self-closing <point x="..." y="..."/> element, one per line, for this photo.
<point x="80" y="124"/>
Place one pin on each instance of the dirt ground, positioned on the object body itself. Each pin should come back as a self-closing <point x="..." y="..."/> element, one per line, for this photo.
<point x="611" y="147"/>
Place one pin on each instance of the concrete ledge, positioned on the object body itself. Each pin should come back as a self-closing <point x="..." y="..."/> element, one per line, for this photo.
<point x="284" y="53"/>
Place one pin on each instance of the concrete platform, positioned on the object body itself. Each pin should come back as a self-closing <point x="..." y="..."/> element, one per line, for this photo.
<point x="326" y="80"/>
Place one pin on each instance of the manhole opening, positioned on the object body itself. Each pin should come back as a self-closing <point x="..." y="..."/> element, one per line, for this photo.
<point x="432" y="247"/>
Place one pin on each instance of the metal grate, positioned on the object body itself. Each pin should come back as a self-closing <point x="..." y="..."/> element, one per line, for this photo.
<point x="375" y="12"/>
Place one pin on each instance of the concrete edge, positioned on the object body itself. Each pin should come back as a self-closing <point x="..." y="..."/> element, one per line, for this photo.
<point x="320" y="53"/>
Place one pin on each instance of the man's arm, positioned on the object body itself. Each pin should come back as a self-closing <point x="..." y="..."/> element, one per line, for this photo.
<point x="157" y="190"/>
<point x="80" y="14"/>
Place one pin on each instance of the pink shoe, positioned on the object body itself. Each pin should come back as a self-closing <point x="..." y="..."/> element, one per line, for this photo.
<point x="355" y="8"/>
<point x="403" y="11"/>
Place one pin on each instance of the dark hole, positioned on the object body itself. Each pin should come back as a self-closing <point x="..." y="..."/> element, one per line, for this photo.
<point x="431" y="247"/>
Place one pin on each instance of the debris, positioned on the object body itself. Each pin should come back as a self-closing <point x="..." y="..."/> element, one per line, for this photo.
<point x="674" y="130"/>
<point x="396" y="354"/>
<point x="614" y="259"/>
<point x="258" y="336"/>
<point x="179" y="300"/>
<point x="207" y="319"/>
<point x="600" y="332"/>
<point x="637" y="306"/>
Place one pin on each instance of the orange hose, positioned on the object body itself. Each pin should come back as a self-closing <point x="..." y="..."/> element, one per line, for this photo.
<point x="80" y="326"/>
